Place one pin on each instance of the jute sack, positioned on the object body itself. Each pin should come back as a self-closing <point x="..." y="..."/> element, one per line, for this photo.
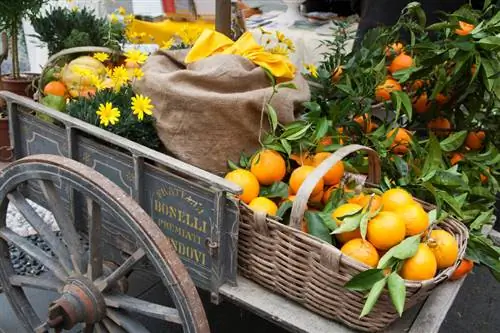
<point x="209" y="111"/>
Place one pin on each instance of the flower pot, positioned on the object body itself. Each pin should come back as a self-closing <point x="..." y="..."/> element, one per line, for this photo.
<point x="5" y="149"/>
<point x="22" y="86"/>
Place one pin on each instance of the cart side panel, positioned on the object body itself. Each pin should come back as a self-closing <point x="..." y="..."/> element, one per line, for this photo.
<point x="184" y="210"/>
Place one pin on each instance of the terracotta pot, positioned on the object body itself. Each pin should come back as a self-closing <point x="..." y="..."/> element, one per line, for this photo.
<point x="5" y="150"/>
<point x="22" y="86"/>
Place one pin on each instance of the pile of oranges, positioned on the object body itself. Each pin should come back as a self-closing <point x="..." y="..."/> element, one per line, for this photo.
<point x="393" y="215"/>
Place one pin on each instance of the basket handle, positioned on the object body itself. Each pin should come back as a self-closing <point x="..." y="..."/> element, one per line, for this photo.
<point x="72" y="50"/>
<point x="305" y="190"/>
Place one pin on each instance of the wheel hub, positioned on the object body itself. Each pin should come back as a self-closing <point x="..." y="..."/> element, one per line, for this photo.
<point x="80" y="302"/>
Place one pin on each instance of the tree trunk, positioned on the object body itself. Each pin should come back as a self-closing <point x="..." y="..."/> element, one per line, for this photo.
<point x="15" y="51"/>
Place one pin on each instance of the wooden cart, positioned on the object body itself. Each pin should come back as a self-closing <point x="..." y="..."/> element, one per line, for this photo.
<point x="122" y="207"/>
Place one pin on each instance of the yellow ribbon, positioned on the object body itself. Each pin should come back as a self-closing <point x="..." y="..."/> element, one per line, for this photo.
<point x="211" y="43"/>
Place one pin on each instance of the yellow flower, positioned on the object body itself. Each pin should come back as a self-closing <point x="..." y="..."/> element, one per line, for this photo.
<point x="189" y="35"/>
<point x="281" y="37"/>
<point x="141" y="105"/>
<point x="168" y="44"/>
<point x="279" y="50"/>
<point x="289" y="43"/>
<point x="108" y="114"/>
<point x="83" y="72"/>
<point x="97" y="82"/>
<point x="121" y="11"/>
<point x="113" y="18"/>
<point x="74" y="9"/>
<point x="120" y="77"/>
<point x="264" y="31"/>
<point x="138" y="74"/>
<point x="136" y="56"/>
<point x="101" y="56"/>
<point x="129" y="19"/>
<point x="311" y="69"/>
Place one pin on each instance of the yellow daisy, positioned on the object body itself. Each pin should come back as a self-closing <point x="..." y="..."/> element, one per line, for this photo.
<point x="74" y="9"/>
<point x="138" y="74"/>
<point x="281" y="50"/>
<point x="136" y="56"/>
<point x="168" y="44"/>
<point x="129" y="19"/>
<point x="113" y="18"/>
<point x="141" y="105"/>
<point x="311" y="68"/>
<point x="97" y="82"/>
<point x="120" y="76"/>
<point x="101" y="56"/>
<point x="281" y="37"/>
<point x="289" y="43"/>
<point x="108" y="114"/>
<point x="122" y="11"/>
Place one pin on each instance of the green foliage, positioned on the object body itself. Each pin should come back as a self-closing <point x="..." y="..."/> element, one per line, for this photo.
<point x="142" y="132"/>
<point x="61" y="28"/>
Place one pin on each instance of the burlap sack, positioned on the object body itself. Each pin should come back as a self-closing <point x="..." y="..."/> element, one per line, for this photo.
<point x="209" y="111"/>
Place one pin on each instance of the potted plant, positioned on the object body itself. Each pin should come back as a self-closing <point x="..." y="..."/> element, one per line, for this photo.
<point x="12" y="13"/>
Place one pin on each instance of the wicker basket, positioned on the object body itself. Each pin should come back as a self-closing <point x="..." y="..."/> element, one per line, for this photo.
<point x="312" y="272"/>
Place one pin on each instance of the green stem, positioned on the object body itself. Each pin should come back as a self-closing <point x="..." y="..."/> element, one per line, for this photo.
<point x="15" y="51"/>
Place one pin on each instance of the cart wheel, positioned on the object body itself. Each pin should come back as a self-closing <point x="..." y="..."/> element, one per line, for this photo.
<point x="89" y="289"/>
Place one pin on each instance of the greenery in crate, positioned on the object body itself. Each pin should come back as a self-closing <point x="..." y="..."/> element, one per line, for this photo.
<point x="128" y="125"/>
<point x="62" y="28"/>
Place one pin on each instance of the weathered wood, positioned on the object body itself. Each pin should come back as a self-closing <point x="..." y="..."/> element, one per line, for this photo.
<point x="142" y="307"/>
<point x="42" y="283"/>
<point x="223" y="17"/>
<point x="34" y="252"/>
<point x="64" y="222"/>
<point x="88" y="328"/>
<point x="95" y="268"/>
<point x="127" y="323"/>
<point x="121" y="271"/>
<point x="111" y="327"/>
<point x="43" y="229"/>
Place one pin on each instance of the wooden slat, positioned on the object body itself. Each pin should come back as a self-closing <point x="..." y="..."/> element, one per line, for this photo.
<point x="121" y="271"/>
<point x="125" y="322"/>
<point x="95" y="266"/>
<point x="223" y="16"/>
<point x="143" y="307"/>
<point x="35" y="282"/>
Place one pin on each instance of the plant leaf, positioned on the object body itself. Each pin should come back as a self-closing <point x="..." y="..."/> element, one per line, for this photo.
<point x="232" y="165"/>
<point x="349" y="222"/>
<point x="316" y="226"/>
<point x="454" y="141"/>
<point x="365" y="280"/>
<point x="373" y="296"/>
<point x="284" y="208"/>
<point x="397" y="290"/>
<point x="273" y="117"/>
<point x="276" y="190"/>
<point x="407" y="248"/>
<point x="482" y="219"/>
<point x="286" y="146"/>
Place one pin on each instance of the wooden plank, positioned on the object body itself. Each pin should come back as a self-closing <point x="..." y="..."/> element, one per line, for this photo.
<point x="290" y="315"/>
<point x="223" y="17"/>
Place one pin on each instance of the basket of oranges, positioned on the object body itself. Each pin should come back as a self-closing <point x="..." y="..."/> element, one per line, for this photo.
<point x="388" y="245"/>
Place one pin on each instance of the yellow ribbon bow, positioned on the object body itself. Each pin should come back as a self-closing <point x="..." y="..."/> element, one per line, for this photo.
<point x="211" y="43"/>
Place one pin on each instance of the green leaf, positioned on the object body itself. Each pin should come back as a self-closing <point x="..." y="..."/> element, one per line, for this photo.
<point x="434" y="160"/>
<point x="316" y="227"/>
<point x="448" y="178"/>
<point x="232" y="165"/>
<point x="490" y="43"/>
<point x="327" y="219"/>
<point x="365" y="280"/>
<point x="454" y="141"/>
<point x="349" y="222"/>
<point x="273" y="117"/>
<point x="289" y="85"/>
<point x="298" y="134"/>
<point x="373" y="297"/>
<point x="284" y="208"/>
<point x="397" y="290"/>
<point x="407" y="248"/>
<point x="312" y="106"/>
<point x="482" y="219"/>
<point x="451" y="202"/>
<point x="482" y="249"/>
<point x="276" y="190"/>
<point x="321" y="129"/>
<point x="286" y="145"/>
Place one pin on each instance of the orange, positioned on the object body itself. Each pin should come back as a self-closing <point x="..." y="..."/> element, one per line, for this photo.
<point x="327" y="194"/>
<point x="400" y="62"/>
<point x="56" y="88"/>
<point x="324" y="142"/>
<point x="401" y="140"/>
<point x="415" y="218"/>
<point x="386" y="230"/>
<point x="456" y="157"/>
<point x="335" y="174"/>
<point x="465" y="28"/>
<point x="366" y="123"/>
<point x="268" y="166"/>
<point x="473" y="69"/>
<point x="395" y="48"/>
<point x="316" y="199"/>
<point x="421" y="103"/>
<point x="336" y="74"/>
<point x="440" y="126"/>
<point x="383" y="91"/>
<point x="422" y="266"/>
<point x="261" y="204"/>
<point x="394" y="198"/>
<point x="247" y="181"/>
<point x="362" y="251"/>
<point x="417" y="84"/>
<point x="483" y="178"/>
<point x="363" y="200"/>
<point x="303" y="158"/>
<point x="444" y="246"/>
<point x="343" y="210"/>
<point x="442" y="99"/>
<point x="303" y="227"/>
<point x="463" y="269"/>
<point x="474" y="140"/>
<point x="299" y="175"/>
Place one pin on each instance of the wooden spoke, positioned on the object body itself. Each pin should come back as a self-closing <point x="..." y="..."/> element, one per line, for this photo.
<point x="98" y="328"/>
<point x="35" y="282"/>
<point x="94" y="269"/>
<point x="125" y="322"/>
<point x="65" y="223"/>
<point x="121" y="271"/>
<point x="43" y="328"/>
<point x="143" y="307"/>
<point x="34" y="252"/>
<point x="111" y="327"/>
<point x="43" y="229"/>
<point x="88" y="328"/>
